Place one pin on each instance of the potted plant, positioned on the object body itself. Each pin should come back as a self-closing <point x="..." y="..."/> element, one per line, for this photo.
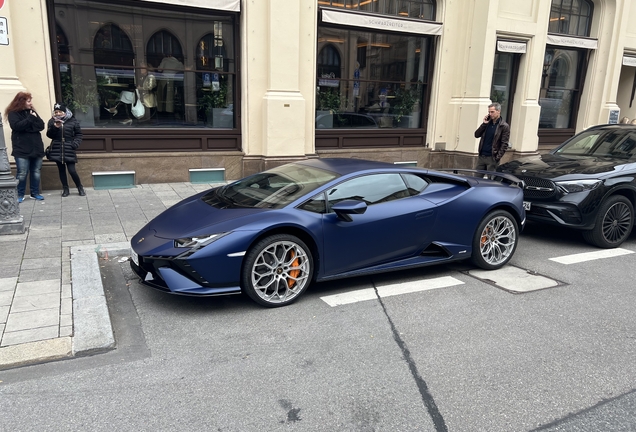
<point x="80" y="97"/>
<point x="327" y="104"/>
<point x="218" y="112"/>
<point x="406" y="106"/>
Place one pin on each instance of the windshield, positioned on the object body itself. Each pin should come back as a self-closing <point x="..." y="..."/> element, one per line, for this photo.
<point x="275" y="188"/>
<point x="612" y="143"/>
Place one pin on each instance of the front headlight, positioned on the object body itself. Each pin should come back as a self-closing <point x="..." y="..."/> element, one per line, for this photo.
<point x="578" y="185"/>
<point x="198" y="241"/>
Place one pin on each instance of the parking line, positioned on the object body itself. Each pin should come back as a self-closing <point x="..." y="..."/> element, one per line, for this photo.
<point x="390" y="290"/>
<point x="589" y="256"/>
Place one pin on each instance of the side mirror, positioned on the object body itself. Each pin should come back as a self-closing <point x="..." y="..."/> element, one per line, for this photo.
<point x="348" y="207"/>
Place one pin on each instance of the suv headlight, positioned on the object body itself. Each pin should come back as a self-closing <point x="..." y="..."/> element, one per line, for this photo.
<point x="578" y="185"/>
<point x="198" y="241"/>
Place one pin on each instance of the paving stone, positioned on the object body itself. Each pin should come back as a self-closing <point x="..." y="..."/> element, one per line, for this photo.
<point x="32" y="320"/>
<point x="40" y="263"/>
<point x="35" y="302"/>
<point x="18" y="238"/>
<point x="40" y="287"/>
<point x="31" y="335"/>
<point x="10" y="269"/>
<point x="4" y="314"/>
<point x="6" y="297"/>
<point x="66" y="320"/>
<point x="66" y="331"/>
<point x="40" y="274"/>
<point x="66" y="306"/>
<point x="66" y="291"/>
<point x="44" y="233"/>
<point x="8" y="284"/>
<point x="75" y="234"/>
<point x="110" y="238"/>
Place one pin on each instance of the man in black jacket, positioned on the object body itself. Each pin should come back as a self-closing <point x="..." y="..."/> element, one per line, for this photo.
<point x="495" y="135"/>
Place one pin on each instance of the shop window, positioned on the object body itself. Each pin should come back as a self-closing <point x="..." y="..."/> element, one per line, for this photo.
<point x="571" y="17"/>
<point x="127" y="73"/>
<point x="419" y="9"/>
<point x="504" y="79"/>
<point x="560" y="87"/>
<point x="386" y="90"/>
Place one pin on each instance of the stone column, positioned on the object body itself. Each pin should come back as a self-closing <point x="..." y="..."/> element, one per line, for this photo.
<point x="11" y="222"/>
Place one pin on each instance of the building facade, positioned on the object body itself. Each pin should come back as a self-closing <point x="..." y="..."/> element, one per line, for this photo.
<point x="163" y="87"/>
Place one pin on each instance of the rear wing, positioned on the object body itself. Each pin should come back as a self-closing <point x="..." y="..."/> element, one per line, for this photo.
<point x="491" y="175"/>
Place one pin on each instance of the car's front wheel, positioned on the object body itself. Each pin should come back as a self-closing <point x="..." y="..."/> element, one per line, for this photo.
<point x="277" y="270"/>
<point x="614" y="222"/>
<point x="495" y="240"/>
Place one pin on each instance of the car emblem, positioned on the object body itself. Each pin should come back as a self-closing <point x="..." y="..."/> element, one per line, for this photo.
<point x="537" y="188"/>
<point x="140" y="240"/>
<point x="524" y="170"/>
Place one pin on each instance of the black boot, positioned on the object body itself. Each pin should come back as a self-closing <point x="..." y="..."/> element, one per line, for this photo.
<point x="65" y="192"/>
<point x="81" y="190"/>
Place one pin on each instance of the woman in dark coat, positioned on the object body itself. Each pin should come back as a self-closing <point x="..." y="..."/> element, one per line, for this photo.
<point x="26" y="142"/>
<point x="66" y="135"/>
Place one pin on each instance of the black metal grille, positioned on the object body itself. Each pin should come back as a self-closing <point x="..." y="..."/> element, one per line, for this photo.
<point x="538" y="188"/>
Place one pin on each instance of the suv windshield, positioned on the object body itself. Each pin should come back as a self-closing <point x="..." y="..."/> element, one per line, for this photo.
<point x="612" y="143"/>
<point x="275" y="188"/>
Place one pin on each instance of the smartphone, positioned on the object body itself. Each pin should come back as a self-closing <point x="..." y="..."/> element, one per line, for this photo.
<point x="488" y="117"/>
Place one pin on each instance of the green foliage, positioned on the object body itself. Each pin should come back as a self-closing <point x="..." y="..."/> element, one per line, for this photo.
<point x="406" y="101"/>
<point x="78" y="95"/>
<point x="497" y="96"/>
<point x="328" y="100"/>
<point x="215" y="99"/>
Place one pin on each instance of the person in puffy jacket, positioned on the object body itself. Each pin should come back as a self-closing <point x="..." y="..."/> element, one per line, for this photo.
<point x="26" y="141"/>
<point x="66" y="136"/>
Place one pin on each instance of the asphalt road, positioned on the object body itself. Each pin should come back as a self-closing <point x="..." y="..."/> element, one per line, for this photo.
<point x="467" y="357"/>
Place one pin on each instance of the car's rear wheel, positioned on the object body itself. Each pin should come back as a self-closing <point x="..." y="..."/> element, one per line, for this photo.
<point x="614" y="223"/>
<point x="277" y="270"/>
<point x="495" y="240"/>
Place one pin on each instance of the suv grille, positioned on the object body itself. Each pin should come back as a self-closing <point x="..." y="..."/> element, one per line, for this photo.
<point x="538" y="188"/>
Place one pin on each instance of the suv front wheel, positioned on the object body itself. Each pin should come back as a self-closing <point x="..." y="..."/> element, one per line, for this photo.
<point x="614" y="222"/>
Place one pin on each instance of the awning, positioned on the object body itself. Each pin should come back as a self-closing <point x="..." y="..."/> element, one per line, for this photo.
<point x="573" y="42"/>
<point x="380" y="23"/>
<point x="629" y="61"/>
<point x="511" y="47"/>
<point x="224" y="5"/>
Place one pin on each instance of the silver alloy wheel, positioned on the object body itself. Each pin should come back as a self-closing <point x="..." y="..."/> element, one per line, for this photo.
<point x="280" y="272"/>
<point x="617" y="222"/>
<point x="498" y="240"/>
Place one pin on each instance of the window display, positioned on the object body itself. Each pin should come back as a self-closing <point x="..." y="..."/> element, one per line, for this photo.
<point x="145" y="66"/>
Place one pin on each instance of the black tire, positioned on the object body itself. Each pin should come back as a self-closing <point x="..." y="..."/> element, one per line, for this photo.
<point x="614" y="223"/>
<point x="495" y="240"/>
<point x="277" y="270"/>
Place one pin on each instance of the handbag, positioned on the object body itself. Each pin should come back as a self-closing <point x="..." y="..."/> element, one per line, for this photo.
<point x="138" y="109"/>
<point x="47" y="152"/>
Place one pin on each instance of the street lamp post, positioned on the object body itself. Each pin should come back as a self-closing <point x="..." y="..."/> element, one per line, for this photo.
<point x="11" y="222"/>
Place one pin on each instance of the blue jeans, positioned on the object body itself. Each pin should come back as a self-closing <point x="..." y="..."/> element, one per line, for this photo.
<point x="25" y="166"/>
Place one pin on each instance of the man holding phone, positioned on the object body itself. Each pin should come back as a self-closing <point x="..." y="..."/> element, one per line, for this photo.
<point x="495" y="135"/>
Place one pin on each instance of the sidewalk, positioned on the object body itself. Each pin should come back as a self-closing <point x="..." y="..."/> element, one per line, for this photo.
<point x="52" y="302"/>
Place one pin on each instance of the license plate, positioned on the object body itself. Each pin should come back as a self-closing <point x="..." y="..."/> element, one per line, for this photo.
<point x="527" y="205"/>
<point x="134" y="257"/>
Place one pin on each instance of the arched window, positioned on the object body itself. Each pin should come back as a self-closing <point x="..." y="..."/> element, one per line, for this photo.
<point x="211" y="53"/>
<point x="113" y="47"/>
<point x="329" y="62"/>
<point x="571" y="17"/>
<point x="160" y="45"/>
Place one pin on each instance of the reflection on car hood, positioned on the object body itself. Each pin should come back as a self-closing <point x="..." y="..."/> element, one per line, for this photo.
<point x="194" y="217"/>
<point x="552" y="166"/>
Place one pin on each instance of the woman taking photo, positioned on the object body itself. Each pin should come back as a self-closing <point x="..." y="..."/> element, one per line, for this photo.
<point x="28" y="148"/>
<point x="66" y="135"/>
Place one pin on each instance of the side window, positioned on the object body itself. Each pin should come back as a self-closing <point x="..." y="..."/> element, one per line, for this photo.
<point x="414" y="183"/>
<point x="317" y="204"/>
<point x="372" y="189"/>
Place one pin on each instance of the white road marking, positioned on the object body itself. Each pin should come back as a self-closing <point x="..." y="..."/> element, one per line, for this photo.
<point x="390" y="290"/>
<point x="589" y="256"/>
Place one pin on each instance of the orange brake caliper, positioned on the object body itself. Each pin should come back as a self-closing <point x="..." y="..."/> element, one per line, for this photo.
<point x="293" y="273"/>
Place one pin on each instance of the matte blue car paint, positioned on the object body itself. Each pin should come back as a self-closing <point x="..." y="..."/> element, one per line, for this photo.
<point x="388" y="236"/>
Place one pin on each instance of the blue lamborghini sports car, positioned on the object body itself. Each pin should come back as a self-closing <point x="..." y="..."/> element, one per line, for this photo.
<point x="270" y="235"/>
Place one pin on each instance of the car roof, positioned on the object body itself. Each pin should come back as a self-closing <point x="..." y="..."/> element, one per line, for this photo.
<point x="345" y="166"/>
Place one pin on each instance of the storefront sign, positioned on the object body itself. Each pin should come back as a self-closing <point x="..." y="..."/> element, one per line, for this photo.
<point x="629" y="61"/>
<point x="511" y="47"/>
<point x="380" y="23"/>
<point x="4" y="31"/>
<point x="224" y="5"/>
<point x="613" y="116"/>
<point x="573" y="42"/>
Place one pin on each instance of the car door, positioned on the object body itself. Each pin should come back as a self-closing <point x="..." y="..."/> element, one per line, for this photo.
<point x="395" y="225"/>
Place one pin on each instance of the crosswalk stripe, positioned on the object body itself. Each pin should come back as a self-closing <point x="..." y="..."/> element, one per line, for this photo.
<point x="390" y="290"/>
<point x="589" y="256"/>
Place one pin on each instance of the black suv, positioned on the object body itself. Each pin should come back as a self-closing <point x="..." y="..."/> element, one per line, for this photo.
<point x="587" y="183"/>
